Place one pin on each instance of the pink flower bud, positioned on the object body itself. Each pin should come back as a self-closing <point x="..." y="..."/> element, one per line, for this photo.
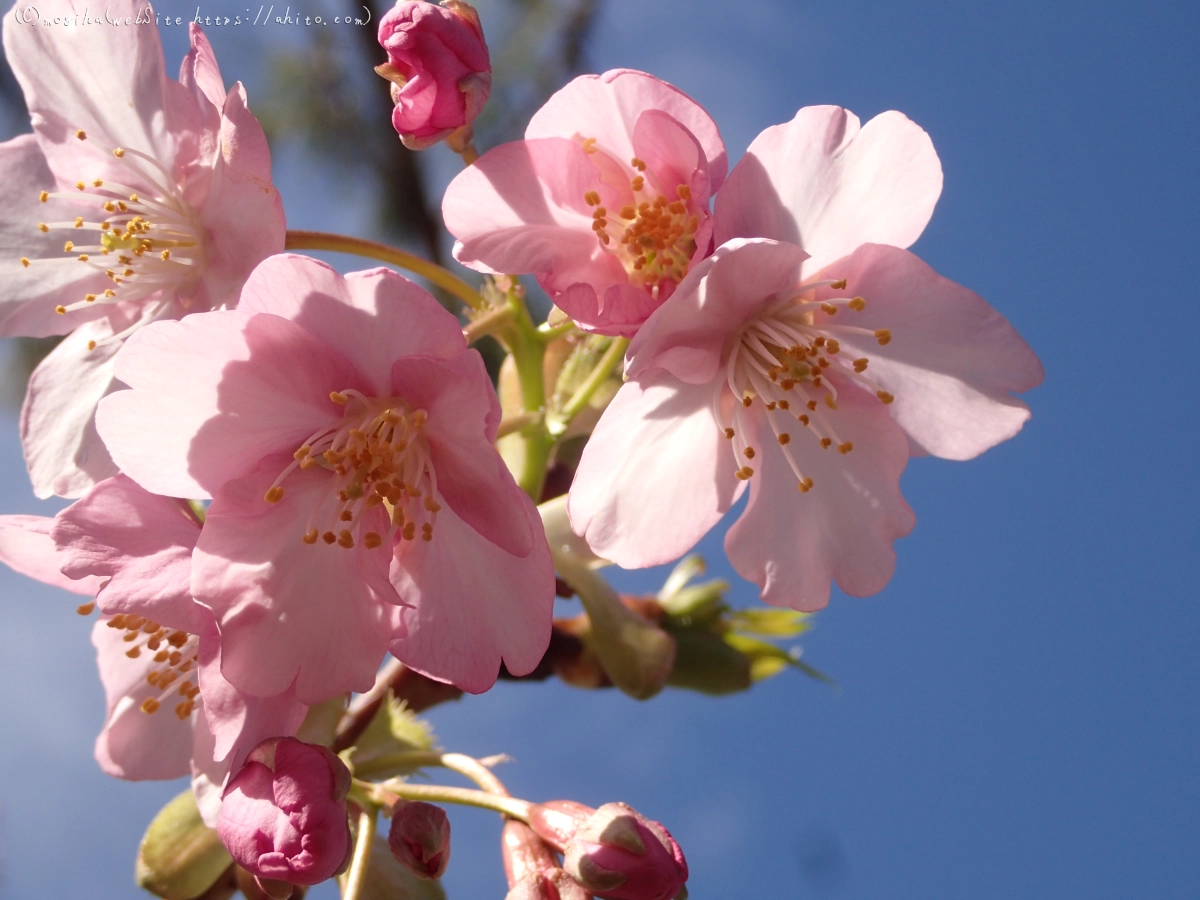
<point x="532" y="869"/>
<point x="439" y="66"/>
<point x="420" y="838"/>
<point x="614" y="851"/>
<point x="283" y="816"/>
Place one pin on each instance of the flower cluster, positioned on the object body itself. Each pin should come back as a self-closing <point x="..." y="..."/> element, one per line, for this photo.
<point x="284" y="475"/>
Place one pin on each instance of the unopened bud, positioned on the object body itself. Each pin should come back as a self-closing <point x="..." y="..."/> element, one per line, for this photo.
<point x="180" y="857"/>
<point x="614" y="851"/>
<point x="420" y="838"/>
<point x="548" y="884"/>
<point x="532" y="869"/>
<point x="283" y="816"/>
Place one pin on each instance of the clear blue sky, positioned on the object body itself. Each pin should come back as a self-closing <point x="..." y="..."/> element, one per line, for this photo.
<point x="1018" y="710"/>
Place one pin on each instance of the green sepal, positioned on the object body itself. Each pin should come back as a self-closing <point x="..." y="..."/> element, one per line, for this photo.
<point x="704" y="662"/>
<point x="395" y="729"/>
<point x="320" y="725"/>
<point x="180" y="857"/>
<point x="773" y="623"/>
<point x="767" y="659"/>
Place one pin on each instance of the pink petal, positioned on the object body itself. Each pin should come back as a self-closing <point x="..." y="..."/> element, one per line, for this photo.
<point x="242" y="213"/>
<point x="142" y="543"/>
<point x="672" y="156"/>
<point x="473" y="605"/>
<point x="290" y="612"/>
<point x="819" y="182"/>
<point x="26" y="547"/>
<point x="63" y="451"/>
<point x="212" y="394"/>
<point x="32" y="293"/>
<point x="199" y="71"/>
<point x="608" y="106"/>
<point x="520" y="208"/>
<point x="471" y="476"/>
<point x="952" y="360"/>
<point x="656" y="474"/>
<point x="134" y="744"/>
<point x="791" y="544"/>
<point x="371" y="318"/>
<point x="688" y="334"/>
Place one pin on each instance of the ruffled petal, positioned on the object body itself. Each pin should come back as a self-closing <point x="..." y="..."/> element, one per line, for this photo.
<point x="243" y="212"/>
<point x="952" y="360"/>
<point x="688" y="334"/>
<point x="199" y="71"/>
<point x="656" y="474"/>
<point x="292" y="613"/>
<point x="471" y="476"/>
<point x="372" y="318"/>
<point x="63" y="450"/>
<point x="26" y="547"/>
<point x="608" y="106"/>
<point x="820" y="182"/>
<point x="213" y="394"/>
<point x="792" y="544"/>
<point x="142" y="543"/>
<point x="134" y="744"/>
<point x="473" y="605"/>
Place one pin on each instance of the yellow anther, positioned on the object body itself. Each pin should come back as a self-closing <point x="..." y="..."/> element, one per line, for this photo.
<point x="83" y="257"/>
<point x="25" y="261"/>
<point x="68" y="246"/>
<point x="109" y="292"/>
<point x="149" y="705"/>
<point x="684" y="192"/>
<point x="43" y="227"/>
<point x="884" y="336"/>
<point x="838" y="285"/>
<point x="599" y="212"/>
<point x="591" y="198"/>
<point x="61" y="310"/>
<point x="177" y="638"/>
<point x="884" y="396"/>
<point x="310" y="536"/>
<point x="44" y="196"/>
<point x="589" y="145"/>
<point x="345" y="539"/>
<point x="346" y="516"/>
<point x="747" y="401"/>
<point x="90" y="298"/>
<point x="860" y="365"/>
<point x="845" y="448"/>
<point x="119" y="152"/>
<point x="110" y="206"/>
<point x="133" y="652"/>
<point x="79" y="221"/>
<point x="638" y="183"/>
<point x="133" y="198"/>
<point x="628" y="212"/>
<point x="122" y="207"/>
<point x="638" y="164"/>
<point x="81" y="134"/>
<point x="79" y="185"/>
<point x="274" y="494"/>
<point x="783" y="404"/>
<point x="812" y="405"/>
<point x="91" y="345"/>
<point x="302" y="452"/>
<point x="329" y="537"/>
<point x="165" y="255"/>
<point x="729" y="432"/>
<point x="85" y="609"/>
<point x="858" y="303"/>
<point x="829" y="309"/>
<point x="98" y="183"/>
<point x="784" y="438"/>
<point x="371" y="540"/>
<point x="337" y="397"/>
<point x="825" y="442"/>
<point x="802" y="419"/>
<point x="749" y="451"/>
<point x="744" y="473"/>
<point x="832" y="346"/>
<point x="830" y="402"/>
<point x="432" y="505"/>
<point x="805" y="486"/>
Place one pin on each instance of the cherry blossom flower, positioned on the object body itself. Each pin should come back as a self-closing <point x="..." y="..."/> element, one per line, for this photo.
<point x="808" y="366"/>
<point x="136" y="198"/>
<point x="605" y="201"/>
<point x="169" y="710"/>
<point x="345" y="434"/>
<point x="439" y="68"/>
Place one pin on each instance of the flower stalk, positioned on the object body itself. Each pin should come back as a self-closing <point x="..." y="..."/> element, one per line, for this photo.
<point x="356" y="877"/>
<point x="387" y="793"/>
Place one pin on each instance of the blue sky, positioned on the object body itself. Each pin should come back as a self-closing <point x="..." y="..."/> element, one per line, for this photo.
<point x="1018" y="711"/>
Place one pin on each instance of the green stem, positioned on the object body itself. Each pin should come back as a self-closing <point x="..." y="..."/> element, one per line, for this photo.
<point x="357" y="876"/>
<point x="519" y="422"/>
<point x="610" y="360"/>
<point x="338" y="243"/>
<point x="455" y="762"/>
<point x="528" y="353"/>
<point x="488" y="323"/>
<point x="548" y="332"/>
<point x="389" y="791"/>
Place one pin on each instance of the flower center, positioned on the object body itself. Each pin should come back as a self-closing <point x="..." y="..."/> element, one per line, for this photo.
<point x="654" y="237"/>
<point x="143" y="236"/>
<point x="789" y="362"/>
<point x="174" y="653"/>
<point x="378" y="456"/>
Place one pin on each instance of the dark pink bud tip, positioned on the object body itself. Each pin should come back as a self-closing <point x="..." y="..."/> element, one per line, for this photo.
<point x="420" y="838"/>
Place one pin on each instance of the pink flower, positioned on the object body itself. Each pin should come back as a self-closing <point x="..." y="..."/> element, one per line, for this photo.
<point x="136" y="198"/>
<point x="344" y="432"/>
<point x="169" y="711"/>
<point x="283" y="816"/>
<point x="605" y="201"/>
<point x="614" y="852"/>
<point x="810" y="372"/>
<point x="438" y="63"/>
<point x="531" y="868"/>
